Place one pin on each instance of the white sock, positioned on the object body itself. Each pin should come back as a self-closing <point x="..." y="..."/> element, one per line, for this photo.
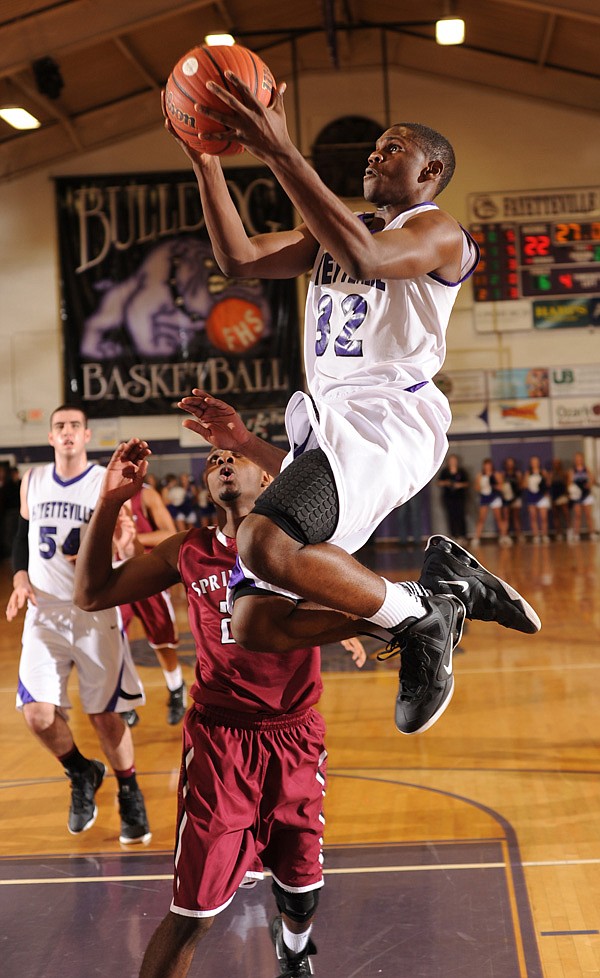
<point x="295" y="943"/>
<point x="173" y="679"/>
<point x="402" y="600"/>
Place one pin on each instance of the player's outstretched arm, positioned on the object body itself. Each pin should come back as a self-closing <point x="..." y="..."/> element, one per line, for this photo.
<point x="220" y="424"/>
<point x="433" y="242"/>
<point x="280" y="254"/>
<point x="22" y="587"/>
<point x="97" y="583"/>
<point x="125" y="472"/>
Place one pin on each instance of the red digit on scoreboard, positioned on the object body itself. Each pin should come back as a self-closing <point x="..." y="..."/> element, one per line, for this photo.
<point x="535" y="245"/>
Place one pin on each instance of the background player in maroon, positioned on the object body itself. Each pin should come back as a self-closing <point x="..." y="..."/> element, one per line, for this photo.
<point x="243" y="708"/>
<point x="154" y="524"/>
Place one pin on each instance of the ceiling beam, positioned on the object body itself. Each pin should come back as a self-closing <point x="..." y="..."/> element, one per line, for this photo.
<point x="50" y="107"/>
<point x="228" y="21"/>
<point x="568" y="11"/>
<point x="126" y="51"/>
<point x="70" y="27"/>
<point x="492" y="71"/>
<point x="546" y="40"/>
<point x="95" y="130"/>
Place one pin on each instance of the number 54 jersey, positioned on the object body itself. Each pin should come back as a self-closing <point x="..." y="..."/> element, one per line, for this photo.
<point x="59" y="513"/>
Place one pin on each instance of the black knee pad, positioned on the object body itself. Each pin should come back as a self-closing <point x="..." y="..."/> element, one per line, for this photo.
<point x="297" y="906"/>
<point x="303" y="499"/>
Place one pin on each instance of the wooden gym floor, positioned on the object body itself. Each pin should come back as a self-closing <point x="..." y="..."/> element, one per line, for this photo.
<point x="472" y="850"/>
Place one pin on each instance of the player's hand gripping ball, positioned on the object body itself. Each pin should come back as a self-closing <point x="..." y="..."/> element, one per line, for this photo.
<point x="186" y="88"/>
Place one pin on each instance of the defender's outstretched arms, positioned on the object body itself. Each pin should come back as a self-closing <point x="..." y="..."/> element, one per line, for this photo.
<point x="97" y="583"/>
<point x="221" y="425"/>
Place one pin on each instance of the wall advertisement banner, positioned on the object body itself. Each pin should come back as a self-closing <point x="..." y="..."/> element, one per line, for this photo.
<point x="146" y="312"/>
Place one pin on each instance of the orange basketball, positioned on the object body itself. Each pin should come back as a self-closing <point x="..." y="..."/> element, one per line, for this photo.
<point x="235" y="325"/>
<point x="186" y="87"/>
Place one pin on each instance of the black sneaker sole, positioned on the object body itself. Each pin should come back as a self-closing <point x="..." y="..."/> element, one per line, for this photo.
<point x="176" y="716"/>
<point x="139" y="840"/>
<point x="434" y="719"/>
<point x="530" y="623"/>
<point x="87" y="825"/>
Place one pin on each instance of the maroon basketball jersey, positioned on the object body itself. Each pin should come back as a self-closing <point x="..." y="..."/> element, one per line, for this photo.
<point x="143" y="520"/>
<point x="227" y="676"/>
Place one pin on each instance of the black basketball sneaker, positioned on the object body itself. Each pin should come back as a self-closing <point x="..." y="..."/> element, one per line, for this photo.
<point x="426" y="646"/>
<point x="450" y="569"/>
<point x="291" y="965"/>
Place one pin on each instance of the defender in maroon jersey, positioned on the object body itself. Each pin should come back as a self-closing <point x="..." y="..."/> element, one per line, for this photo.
<point x="253" y="767"/>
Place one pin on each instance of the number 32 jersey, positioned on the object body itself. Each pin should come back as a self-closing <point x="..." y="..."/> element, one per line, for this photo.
<point x="59" y="513"/>
<point x="360" y="334"/>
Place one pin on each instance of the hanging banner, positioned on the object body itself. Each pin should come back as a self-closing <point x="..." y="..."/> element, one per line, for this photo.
<point x="148" y="315"/>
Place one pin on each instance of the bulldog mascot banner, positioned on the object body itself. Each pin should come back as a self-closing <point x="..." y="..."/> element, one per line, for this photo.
<point x="147" y="314"/>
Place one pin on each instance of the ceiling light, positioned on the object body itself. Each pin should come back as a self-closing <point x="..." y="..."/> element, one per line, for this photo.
<point x="214" y="39"/>
<point x="450" y="30"/>
<point x="19" y="118"/>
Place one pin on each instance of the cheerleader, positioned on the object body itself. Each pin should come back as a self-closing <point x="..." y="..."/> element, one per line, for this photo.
<point x="488" y="484"/>
<point x="537" y="500"/>
<point x="512" y="478"/>
<point x="581" y="497"/>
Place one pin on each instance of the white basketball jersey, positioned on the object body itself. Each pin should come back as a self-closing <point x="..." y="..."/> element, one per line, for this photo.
<point x="59" y="513"/>
<point x="388" y="331"/>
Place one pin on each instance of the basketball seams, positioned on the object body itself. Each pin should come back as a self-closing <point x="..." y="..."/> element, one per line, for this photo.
<point x="187" y="120"/>
<point x="226" y="143"/>
<point x="180" y="87"/>
<point x="220" y="71"/>
<point x="255" y="67"/>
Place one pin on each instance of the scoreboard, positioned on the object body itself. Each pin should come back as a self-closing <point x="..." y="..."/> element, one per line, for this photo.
<point x="538" y="246"/>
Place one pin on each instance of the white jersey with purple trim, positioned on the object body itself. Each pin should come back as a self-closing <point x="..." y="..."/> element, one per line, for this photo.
<point x="381" y="331"/>
<point x="371" y="351"/>
<point x="59" y="513"/>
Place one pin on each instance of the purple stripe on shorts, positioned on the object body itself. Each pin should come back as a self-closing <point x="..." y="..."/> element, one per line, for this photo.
<point x="24" y="694"/>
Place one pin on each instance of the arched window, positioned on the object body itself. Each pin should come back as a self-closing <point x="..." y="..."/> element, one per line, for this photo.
<point x="341" y="150"/>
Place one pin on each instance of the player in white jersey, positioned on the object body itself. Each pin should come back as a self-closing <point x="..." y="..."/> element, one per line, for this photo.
<point x="371" y="431"/>
<point x="57" y="502"/>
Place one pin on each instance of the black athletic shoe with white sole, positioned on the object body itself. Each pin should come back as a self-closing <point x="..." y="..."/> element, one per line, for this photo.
<point x="426" y="646"/>
<point x="134" y="821"/>
<point x="84" y="785"/>
<point x="450" y="569"/>
<point x="176" y="705"/>
<point x="291" y="965"/>
<point x="130" y="717"/>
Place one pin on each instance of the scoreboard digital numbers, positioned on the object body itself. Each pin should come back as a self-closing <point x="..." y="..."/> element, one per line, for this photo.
<point x="540" y="258"/>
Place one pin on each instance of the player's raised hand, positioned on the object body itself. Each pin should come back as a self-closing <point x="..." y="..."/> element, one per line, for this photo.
<point x="125" y="539"/>
<point x="261" y="129"/>
<point x="357" y="650"/>
<point x="215" y="420"/>
<point x="126" y="471"/>
<point x="196" y="156"/>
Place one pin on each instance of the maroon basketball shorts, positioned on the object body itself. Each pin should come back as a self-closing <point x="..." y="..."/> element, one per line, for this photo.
<point x="157" y="617"/>
<point x="250" y="797"/>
